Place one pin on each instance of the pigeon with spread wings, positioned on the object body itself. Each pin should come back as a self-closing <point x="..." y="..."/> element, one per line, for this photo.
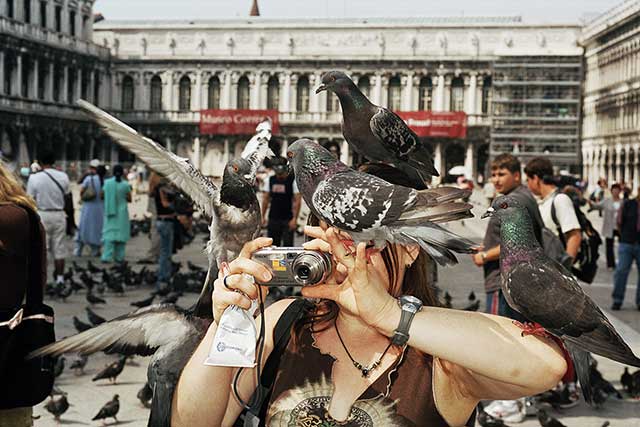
<point x="233" y="208"/>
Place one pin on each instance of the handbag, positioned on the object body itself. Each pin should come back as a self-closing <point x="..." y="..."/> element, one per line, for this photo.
<point x="68" y="207"/>
<point x="27" y="382"/>
<point x="89" y="193"/>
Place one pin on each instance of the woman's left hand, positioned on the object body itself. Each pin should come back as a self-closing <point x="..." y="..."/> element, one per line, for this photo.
<point x="355" y="285"/>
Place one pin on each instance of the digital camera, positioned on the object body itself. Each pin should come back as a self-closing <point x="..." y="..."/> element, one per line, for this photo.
<point x="294" y="266"/>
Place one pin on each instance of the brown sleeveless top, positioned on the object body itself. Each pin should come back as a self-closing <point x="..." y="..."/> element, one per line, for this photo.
<point x="402" y="396"/>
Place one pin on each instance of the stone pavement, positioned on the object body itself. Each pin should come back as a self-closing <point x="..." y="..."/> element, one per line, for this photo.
<point x="87" y="397"/>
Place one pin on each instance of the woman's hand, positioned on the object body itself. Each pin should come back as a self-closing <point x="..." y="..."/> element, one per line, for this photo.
<point x="224" y="296"/>
<point x="356" y="285"/>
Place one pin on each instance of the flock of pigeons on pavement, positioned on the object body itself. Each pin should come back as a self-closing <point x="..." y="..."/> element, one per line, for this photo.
<point x="362" y="205"/>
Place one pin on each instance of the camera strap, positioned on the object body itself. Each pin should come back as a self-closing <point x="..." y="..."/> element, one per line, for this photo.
<point x="281" y="335"/>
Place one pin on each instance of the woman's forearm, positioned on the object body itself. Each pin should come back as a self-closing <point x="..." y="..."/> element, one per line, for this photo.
<point x="486" y="344"/>
<point x="202" y="394"/>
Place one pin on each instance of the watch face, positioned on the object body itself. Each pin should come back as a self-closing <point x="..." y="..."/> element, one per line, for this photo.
<point x="411" y="300"/>
<point x="410" y="308"/>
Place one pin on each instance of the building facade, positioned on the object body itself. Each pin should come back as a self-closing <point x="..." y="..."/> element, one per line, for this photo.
<point x="165" y="72"/>
<point x="611" y="122"/>
<point x="47" y="61"/>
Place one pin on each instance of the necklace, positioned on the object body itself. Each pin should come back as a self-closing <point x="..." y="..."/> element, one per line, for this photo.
<point x="366" y="370"/>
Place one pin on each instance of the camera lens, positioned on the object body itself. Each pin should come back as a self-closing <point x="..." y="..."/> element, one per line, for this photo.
<point x="310" y="268"/>
<point x="304" y="272"/>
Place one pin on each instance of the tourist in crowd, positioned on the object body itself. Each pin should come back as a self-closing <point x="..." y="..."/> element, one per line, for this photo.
<point x="628" y="250"/>
<point x="609" y="206"/>
<point x="282" y="199"/>
<point x="22" y="261"/>
<point x="165" y="227"/>
<point x="154" y="236"/>
<point x="117" y="230"/>
<point x="48" y="187"/>
<point x="91" y="216"/>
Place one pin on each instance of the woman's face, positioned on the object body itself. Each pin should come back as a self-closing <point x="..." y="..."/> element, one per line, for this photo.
<point x="615" y="192"/>
<point x="378" y="269"/>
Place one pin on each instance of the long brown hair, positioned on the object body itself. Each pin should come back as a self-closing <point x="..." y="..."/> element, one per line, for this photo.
<point x="11" y="191"/>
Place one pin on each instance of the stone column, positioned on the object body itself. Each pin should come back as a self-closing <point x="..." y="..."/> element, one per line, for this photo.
<point x="438" y="102"/>
<point x="33" y="89"/>
<point x="438" y="163"/>
<point x="139" y="91"/>
<point x="293" y="94"/>
<point x="256" y="90"/>
<point x="226" y="96"/>
<point x="636" y="168"/>
<point x="1" y="71"/>
<point x="92" y="86"/>
<point x="285" y="97"/>
<point x="233" y="96"/>
<point x="264" y="81"/>
<point x="470" y="161"/>
<point x="447" y="94"/>
<point x="377" y="89"/>
<point x="115" y="91"/>
<point x="17" y="77"/>
<point x="314" y="100"/>
<point x="627" y="162"/>
<point x="618" y="160"/>
<point x="196" y="152"/>
<point x="48" y="96"/>
<point x="407" y="88"/>
<point x="471" y="97"/>
<point x="284" y="147"/>
<point x="226" y="154"/>
<point x="167" y="90"/>
<point x="78" y="83"/>
<point x="384" y="96"/>
<point x="204" y="92"/>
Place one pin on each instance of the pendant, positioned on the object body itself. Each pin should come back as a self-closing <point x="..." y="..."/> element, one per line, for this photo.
<point x="365" y="372"/>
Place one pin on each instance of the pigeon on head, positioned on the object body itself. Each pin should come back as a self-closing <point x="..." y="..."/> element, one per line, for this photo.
<point x="377" y="133"/>
<point x="371" y="209"/>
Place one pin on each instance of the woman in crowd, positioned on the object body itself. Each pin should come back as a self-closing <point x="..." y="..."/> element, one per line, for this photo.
<point x="340" y="367"/>
<point x="609" y="206"/>
<point x="117" y="230"/>
<point x="91" y="216"/>
<point x="22" y="258"/>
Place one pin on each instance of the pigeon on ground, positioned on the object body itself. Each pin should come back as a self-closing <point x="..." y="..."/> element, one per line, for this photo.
<point x="626" y="380"/>
<point x="58" y="367"/>
<point x="598" y="381"/>
<point x="93" y="317"/>
<point x="80" y="325"/>
<point x="193" y="267"/>
<point x="145" y="394"/>
<point x="79" y="364"/>
<point x="447" y="300"/>
<point x="111" y="371"/>
<point x="547" y="420"/>
<point x="473" y="306"/>
<point x="472" y="296"/>
<point x="92" y="268"/>
<point x="109" y="410"/>
<point x="92" y="299"/>
<point x="167" y="332"/>
<point x="172" y="298"/>
<point x="57" y="406"/>
<point x="635" y="384"/>
<point x="369" y="208"/>
<point x="378" y="133"/>
<point x="64" y="291"/>
<point x="565" y="311"/>
<point x="144" y="303"/>
<point x="234" y="207"/>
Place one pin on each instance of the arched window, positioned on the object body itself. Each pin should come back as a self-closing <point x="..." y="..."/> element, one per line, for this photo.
<point x="394" y="96"/>
<point x="127" y="93"/>
<point x="273" y="93"/>
<point x="302" y="94"/>
<point x="364" y="85"/>
<point x="184" y="97"/>
<point x="425" y="94"/>
<point x="26" y="74"/>
<point x="457" y="94"/>
<point x="213" y="94"/>
<point x="156" y="94"/>
<point x="243" y="93"/>
<point x="486" y="95"/>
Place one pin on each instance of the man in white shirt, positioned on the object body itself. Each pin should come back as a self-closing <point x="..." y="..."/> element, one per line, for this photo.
<point x="539" y="173"/>
<point x="48" y="188"/>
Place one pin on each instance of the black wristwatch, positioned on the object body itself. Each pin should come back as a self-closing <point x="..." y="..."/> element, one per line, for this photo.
<point x="410" y="305"/>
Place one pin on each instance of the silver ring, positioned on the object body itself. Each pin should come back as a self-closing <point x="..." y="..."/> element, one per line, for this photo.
<point x="224" y="282"/>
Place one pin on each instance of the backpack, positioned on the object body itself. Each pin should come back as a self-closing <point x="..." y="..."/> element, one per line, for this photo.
<point x="585" y="265"/>
<point x="554" y="248"/>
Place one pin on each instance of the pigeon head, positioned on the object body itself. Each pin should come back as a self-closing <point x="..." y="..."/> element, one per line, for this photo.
<point x="503" y="205"/>
<point x="334" y="81"/>
<point x="239" y="170"/>
<point x="237" y="184"/>
<point x="116" y="397"/>
<point x="312" y="163"/>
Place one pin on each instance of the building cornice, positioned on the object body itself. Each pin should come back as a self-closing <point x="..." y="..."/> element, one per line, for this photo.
<point x="608" y="21"/>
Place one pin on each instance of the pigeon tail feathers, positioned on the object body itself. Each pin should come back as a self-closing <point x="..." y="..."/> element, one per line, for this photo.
<point x="581" y="363"/>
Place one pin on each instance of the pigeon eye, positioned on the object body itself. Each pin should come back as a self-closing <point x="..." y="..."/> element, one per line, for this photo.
<point x="289" y="155"/>
<point x="235" y="168"/>
<point x="504" y="205"/>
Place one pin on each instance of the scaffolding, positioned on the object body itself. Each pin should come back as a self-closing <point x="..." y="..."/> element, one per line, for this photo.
<point x="536" y="108"/>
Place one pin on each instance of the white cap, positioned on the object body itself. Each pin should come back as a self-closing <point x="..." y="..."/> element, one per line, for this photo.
<point x="94" y="163"/>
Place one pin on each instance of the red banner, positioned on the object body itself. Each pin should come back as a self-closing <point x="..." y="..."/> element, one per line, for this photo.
<point x="235" y="122"/>
<point x="447" y="124"/>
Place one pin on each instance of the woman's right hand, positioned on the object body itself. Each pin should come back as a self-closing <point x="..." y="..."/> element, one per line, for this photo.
<point x="224" y="296"/>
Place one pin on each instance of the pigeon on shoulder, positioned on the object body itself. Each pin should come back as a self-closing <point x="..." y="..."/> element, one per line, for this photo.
<point x="371" y="209"/>
<point x="377" y="133"/>
<point x="544" y="292"/>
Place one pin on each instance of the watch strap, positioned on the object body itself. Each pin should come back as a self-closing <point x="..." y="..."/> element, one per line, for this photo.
<point x="401" y="334"/>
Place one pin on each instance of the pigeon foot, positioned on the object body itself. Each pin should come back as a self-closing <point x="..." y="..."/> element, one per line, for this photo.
<point x="529" y="328"/>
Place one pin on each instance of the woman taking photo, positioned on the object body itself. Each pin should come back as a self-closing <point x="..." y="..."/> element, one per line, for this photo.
<point x="341" y="366"/>
<point x="117" y="230"/>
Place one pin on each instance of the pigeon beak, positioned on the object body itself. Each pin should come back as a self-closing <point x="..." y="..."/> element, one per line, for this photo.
<point x="488" y="213"/>
<point x="321" y="88"/>
<point x="248" y="177"/>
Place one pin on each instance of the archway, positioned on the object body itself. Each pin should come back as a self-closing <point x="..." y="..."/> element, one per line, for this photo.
<point x="454" y="154"/>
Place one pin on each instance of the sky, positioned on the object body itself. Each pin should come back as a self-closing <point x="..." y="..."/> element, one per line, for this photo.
<point x="532" y="11"/>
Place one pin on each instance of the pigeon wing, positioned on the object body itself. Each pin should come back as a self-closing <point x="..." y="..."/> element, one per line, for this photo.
<point x="355" y="201"/>
<point x="389" y="128"/>
<point x="178" y="170"/>
<point x="140" y="332"/>
<point x="257" y="149"/>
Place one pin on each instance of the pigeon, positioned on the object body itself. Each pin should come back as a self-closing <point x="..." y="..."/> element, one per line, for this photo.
<point x="598" y="382"/>
<point x="447" y="300"/>
<point x="635" y="384"/>
<point x="93" y="317"/>
<point x="379" y="134"/>
<point x="79" y="364"/>
<point x="111" y="371"/>
<point x="606" y="424"/>
<point x="63" y="291"/>
<point x="57" y="406"/>
<point x="92" y="268"/>
<point x="59" y="366"/>
<point x="144" y="303"/>
<point x="234" y="207"/>
<point x="474" y="306"/>
<point x="472" y="296"/>
<point x="172" y="298"/>
<point x="547" y="420"/>
<point x="369" y="208"/>
<point x="486" y="420"/>
<point x="626" y="380"/>
<point x="109" y="410"/>
<point x="92" y="299"/>
<point x="193" y="267"/>
<point x="565" y="312"/>
<point x="145" y="394"/>
<point x="80" y="325"/>
<point x="166" y="332"/>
